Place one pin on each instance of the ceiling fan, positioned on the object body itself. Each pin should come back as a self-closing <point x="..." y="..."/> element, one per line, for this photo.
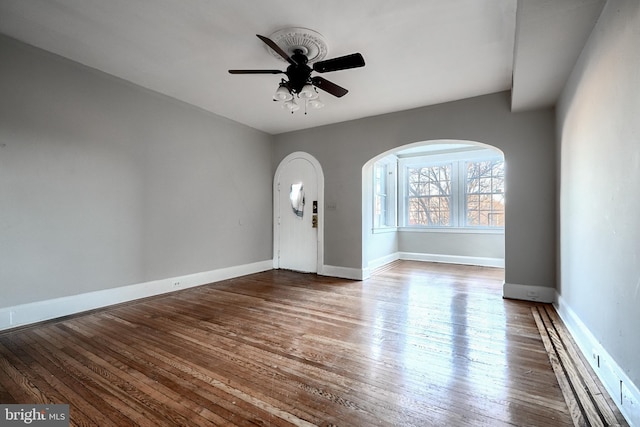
<point x="303" y="49"/>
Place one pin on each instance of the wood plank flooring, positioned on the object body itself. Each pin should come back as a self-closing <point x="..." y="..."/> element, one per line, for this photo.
<point x="586" y="397"/>
<point x="417" y="344"/>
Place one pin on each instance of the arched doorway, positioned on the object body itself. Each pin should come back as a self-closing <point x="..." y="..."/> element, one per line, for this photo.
<point x="298" y="230"/>
<point x="466" y="178"/>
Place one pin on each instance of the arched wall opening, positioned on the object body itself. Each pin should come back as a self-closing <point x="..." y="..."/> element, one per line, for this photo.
<point x="397" y="239"/>
<point x="527" y="139"/>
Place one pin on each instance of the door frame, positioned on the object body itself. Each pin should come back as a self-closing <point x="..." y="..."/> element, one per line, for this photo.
<point x="276" y="203"/>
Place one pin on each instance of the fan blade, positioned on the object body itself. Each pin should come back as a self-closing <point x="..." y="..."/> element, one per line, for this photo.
<point x="276" y="49"/>
<point x="256" y="72"/>
<point x="327" y="86"/>
<point x="354" y="60"/>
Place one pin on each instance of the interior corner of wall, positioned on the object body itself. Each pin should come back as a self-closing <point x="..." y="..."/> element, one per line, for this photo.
<point x="343" y="272"/>
<point x="534" y="293"/>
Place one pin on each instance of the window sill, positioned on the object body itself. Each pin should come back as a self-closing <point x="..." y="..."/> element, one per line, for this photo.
<point x="384" y="230"/>
<point x="458" y="230"/>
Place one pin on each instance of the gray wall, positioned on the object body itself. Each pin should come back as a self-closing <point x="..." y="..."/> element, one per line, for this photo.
<point x="483" y="245"/>
<point x="599" y="137"/>
<point x="526" y="139"/>
<point x="105" y="184"/>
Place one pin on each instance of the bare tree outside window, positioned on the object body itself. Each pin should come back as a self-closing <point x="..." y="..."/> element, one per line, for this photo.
<point x="457" y="190"/>
<point x="485" y="193"/>
<point x="429" y="195"/>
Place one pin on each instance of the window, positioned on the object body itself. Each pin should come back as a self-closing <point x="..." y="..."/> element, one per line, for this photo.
<point x="384" y="193"/>
<point x="429" y="195"/>
<point x="380" y="198"/>
<point x="485" y="193"/>
<point x="452" y="190"/>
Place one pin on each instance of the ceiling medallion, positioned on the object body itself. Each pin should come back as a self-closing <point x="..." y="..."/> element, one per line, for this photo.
<point x="311" y="43"/>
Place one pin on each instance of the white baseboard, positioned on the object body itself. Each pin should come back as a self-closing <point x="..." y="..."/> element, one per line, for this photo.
<point x="379" y="262"/>
<point x="528" y="292"/>
<point x="387" y="259"/>
<point x="342" y="272"/>
<point x="623" y="392"/>
<point x="25" y="314"/>
<point x="453" y="259"/>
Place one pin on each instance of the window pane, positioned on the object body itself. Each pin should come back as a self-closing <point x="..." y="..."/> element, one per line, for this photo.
<point x="380" y="196"/>
<point x="473" y="217"/>
<point x="496" y="219"/>
<point x="485" y="193"/>
<point x="429" y="195"/>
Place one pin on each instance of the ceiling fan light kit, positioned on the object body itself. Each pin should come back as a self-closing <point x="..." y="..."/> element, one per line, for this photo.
<point x="282" y="93"/>
<point x="291" y="105"/>
<point x="300" y="47"/>
<point x="315" y="103"/>
<point x="308" y="92"/>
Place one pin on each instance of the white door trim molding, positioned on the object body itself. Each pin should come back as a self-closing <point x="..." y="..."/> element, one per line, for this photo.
<point x="320" y="180"/>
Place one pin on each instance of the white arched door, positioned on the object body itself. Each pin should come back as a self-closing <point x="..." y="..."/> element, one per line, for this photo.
<point x="298" y="201"/>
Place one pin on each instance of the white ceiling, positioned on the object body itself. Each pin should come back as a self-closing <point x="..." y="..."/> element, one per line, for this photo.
<point x="417" y="52"/>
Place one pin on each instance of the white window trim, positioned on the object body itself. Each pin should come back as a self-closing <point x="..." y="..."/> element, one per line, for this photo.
<point x="386" y="229"/>
<point x="459" y="230"/>
<point x="392" y="194"/>
<point x="457" y="159"/>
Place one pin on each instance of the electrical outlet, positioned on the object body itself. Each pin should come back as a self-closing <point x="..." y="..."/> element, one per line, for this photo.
<point x="176" y="284"/>
<point x="596" y="357"/>
<point x="532" y="293"/>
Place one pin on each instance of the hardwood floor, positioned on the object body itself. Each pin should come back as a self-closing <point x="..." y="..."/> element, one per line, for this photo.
<point x="417" y="344"/>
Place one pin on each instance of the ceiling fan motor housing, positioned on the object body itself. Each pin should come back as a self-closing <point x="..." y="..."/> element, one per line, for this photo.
<point x="299" y="74"/>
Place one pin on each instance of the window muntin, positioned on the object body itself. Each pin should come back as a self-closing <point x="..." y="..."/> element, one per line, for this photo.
<point x="384" y="193"/>
<point x="468" y="193"/>
<point x="380" y="198"/>
<point x="484" y="193"/>
<point x="429" y="195"/>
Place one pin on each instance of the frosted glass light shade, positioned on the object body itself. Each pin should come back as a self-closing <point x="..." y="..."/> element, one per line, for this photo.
<point x="291" y="105"/>
<point x="316" y="103"/>
<point x="282" y="94"/>
<point x="308" y="92"/>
